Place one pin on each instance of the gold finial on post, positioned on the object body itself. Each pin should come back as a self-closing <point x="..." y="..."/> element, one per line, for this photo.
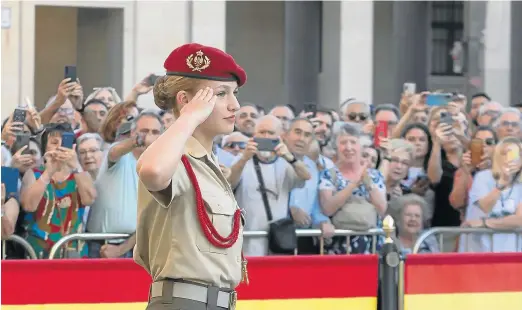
<point x="388" y="225"/>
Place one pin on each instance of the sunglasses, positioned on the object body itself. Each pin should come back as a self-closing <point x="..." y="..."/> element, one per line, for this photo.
<point x="233" y="145"/>
<point x="358" y="116"/>
<point x="489" y="141"/>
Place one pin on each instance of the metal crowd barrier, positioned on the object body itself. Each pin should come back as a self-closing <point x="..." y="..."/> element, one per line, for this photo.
<point x="317" y="233"/>
<point x="440" y="231"/>
<point x="247" y="234"/>
<point x="21" y="241"/>
<point x="84" y="237"/>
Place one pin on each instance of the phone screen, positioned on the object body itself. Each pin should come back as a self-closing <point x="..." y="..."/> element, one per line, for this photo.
<point x="21" y="140"/>
<point x="513" y="154"/>
<point x="10" y="179"/>
<point x="152" y="79"/>
<point x="310" y="108"/>
<point x="265" y="144"/>
<point x="435" y="100"/>
<point x="67" y="140"/>
<point x="381" y="131"/>
<point x="70" y="72"/>
<point x="19" y="115"/>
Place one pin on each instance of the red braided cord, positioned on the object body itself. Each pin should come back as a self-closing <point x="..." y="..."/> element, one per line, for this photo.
<point x="208" y="228"/>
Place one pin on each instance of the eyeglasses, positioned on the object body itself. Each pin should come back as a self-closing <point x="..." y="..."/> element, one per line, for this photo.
<point x="65" y="111"/>
<point x="489" y="141"/>
<point x="90" y="151"/>
<point x="358" y="116"/>
<point x="509" y="124"/>
<point x="233" y="145"/>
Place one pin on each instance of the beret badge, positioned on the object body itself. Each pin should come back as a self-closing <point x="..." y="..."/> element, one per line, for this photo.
<point x="199" y="62"/>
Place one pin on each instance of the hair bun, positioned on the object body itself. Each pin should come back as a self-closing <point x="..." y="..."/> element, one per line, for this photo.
<point x="162" y="97"/>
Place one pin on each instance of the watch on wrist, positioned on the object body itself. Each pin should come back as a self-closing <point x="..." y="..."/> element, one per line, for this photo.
<point x="292" y="160"/>
<point x="500" y="187"/>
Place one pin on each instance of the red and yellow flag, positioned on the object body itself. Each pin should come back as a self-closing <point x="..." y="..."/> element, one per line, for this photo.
<point x="464" y="281"/>
<point x="297" y="282"/>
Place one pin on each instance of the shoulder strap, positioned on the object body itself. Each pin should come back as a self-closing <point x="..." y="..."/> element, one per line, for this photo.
<point x="262" y="189"/>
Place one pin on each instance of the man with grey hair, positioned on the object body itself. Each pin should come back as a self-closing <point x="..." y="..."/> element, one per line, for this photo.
<point x="508" y="123"/>
<point x="284" y="114"/>
<point x="89" y="148"/>
<point x="115" y="208"/>
<point x="488" y="113"/>
<point x="357" y="111"/>
<point x="280" y="172"/>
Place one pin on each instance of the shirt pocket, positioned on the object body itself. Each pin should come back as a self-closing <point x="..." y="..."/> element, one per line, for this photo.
<point x="221" y="212"/>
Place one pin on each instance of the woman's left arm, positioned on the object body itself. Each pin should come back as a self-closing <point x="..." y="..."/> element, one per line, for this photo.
<point x="84" y="181"/>
<point x="86" y="188"/>
<point x="10" y="210"/>
<point x="508" y="222"/>
<point x="378" y="199"/>
<point x="377" y="192"/>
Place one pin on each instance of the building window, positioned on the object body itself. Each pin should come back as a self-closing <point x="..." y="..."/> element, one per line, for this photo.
<point x="446" y="27"/>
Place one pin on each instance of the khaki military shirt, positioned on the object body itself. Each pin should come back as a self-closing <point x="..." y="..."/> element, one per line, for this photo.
<point x="169" y="240"/>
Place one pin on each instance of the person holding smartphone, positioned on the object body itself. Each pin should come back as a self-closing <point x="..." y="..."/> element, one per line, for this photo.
<point x="55" y="194"/>
<point x="495" y="200"/>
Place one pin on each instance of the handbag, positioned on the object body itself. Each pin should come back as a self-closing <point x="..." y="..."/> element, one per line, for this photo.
<point x="356" y="214"/>
<point x="282" y="238"/>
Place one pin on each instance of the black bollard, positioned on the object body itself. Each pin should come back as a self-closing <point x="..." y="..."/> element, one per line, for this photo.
<point x="389" y="260"/>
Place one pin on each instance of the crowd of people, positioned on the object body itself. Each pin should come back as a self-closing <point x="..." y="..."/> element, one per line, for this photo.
<point x="426" y="165"/>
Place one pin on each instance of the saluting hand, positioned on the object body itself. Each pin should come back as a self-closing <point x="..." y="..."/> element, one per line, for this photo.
<point x="201" y="105"/>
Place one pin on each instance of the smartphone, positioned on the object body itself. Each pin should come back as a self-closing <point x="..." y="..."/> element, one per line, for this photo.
<point x="10" y="180"/>
<point x="70" y="72"/>
<point x="409" y="88"/>
<point x="381" y="131"/>
<point x="422" y="178"/>
<point x="68" y="140"/>
<point x="311" y="108"/>
<point x="151" y="80"/>
<point x="124" y="129"/>
<point x="265" y="144"/>
<point x="435" y="100"/>
<point x="446" y="118"/>
<point x="476" y="148"/>
<point x="19" y="115"/>
<point x="513" y="154"/>
<point x="22" y="139"/>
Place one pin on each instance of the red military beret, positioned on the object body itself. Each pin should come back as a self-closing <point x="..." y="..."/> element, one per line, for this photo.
<point x="204" y="62"/>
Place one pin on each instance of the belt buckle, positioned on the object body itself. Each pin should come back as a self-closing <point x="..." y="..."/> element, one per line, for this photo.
<point x="232" y="300"/>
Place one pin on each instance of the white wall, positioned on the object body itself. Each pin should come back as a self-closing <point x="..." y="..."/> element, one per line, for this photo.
<point x="151" y="30"/>
<point x="347" y="52"/>
<point x="497" y="51"/>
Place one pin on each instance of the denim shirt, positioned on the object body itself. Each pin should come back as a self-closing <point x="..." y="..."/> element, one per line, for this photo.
<point x="307" y="198"/>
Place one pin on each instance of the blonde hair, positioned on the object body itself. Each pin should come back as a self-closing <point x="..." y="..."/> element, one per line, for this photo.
<point x="116" y="98"/>
<point x="401" y="144"/>
<point x="498" y="155"/>
<point x="167" y="88"/>
<point x="116" y="116"/>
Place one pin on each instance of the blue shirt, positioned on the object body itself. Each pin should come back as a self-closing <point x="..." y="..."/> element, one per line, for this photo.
<point x="307" y="198"/>
<point x="225" y="158"/>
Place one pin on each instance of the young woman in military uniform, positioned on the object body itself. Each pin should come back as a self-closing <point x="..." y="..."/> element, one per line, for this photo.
<point x="189" y="233"/>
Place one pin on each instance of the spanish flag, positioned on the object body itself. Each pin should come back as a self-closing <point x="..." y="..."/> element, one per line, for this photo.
<point x="295" y="282"/>
<point x="487" y="281"/>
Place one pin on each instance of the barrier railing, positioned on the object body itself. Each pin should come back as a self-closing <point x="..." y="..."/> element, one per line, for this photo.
<point x="84" y="237"/>
<point x="317" y="233"/>
<point x="247" y="234"/>
<point x="21" y="241"/>
<point x="462" y="231"/>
